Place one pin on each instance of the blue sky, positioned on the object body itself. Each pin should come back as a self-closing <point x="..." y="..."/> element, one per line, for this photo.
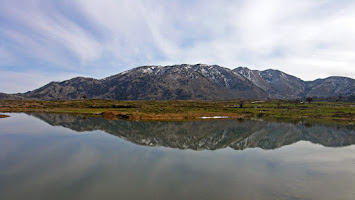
<point x="51" y="40"/>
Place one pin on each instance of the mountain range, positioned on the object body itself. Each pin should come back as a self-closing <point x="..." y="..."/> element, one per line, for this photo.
<point x="191" y="82"/>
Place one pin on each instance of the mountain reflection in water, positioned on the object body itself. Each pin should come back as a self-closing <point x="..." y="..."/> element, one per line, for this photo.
<point x="41" y="161"/>
<point x="209" y="135"/>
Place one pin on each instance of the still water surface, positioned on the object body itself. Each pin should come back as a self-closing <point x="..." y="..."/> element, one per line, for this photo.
<point x="51" y="156"/>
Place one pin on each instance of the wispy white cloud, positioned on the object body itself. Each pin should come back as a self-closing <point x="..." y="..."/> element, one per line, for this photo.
<point x="41" y="32"/>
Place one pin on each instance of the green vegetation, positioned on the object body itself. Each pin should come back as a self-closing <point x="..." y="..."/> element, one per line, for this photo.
<point x="189" y="110"/>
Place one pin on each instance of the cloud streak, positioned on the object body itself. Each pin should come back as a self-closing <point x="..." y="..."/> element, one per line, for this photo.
<point x="307" y="38"/>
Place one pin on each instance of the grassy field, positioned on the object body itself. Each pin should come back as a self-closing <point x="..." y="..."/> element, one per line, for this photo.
<point x="191" y="110"/>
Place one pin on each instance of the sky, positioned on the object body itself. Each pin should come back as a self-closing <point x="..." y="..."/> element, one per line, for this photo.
<point x="52" y="40"/>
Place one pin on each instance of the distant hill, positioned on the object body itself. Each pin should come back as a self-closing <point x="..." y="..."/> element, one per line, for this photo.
<point x="191" y="82"/>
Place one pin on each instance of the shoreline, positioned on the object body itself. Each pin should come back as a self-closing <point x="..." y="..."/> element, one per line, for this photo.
<point x="3" y="116"/>
<point x="186" y="110"/>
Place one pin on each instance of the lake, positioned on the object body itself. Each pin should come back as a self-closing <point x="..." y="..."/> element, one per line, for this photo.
<point x="53" y="156"/>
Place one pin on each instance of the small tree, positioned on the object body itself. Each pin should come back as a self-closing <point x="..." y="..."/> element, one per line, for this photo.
<point x="241" y="103"/>
<point x="85" y="96"/>
<point x="309" y="99"/>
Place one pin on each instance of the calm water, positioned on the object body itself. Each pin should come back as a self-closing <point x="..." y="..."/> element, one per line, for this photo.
<point x="50" y="156"/>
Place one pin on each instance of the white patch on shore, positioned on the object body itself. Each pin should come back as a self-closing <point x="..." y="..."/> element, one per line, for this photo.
<point x="214" y="117"/>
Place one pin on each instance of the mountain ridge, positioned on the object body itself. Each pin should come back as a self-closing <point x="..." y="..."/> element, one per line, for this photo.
<point x="191" y="82"/>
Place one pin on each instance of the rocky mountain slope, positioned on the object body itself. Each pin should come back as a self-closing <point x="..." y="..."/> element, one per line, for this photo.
<point x="276" y="83"/>
<point x="331" y="86"/>
<point x="284" y="86"/>
<point x="191" y="82"/>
